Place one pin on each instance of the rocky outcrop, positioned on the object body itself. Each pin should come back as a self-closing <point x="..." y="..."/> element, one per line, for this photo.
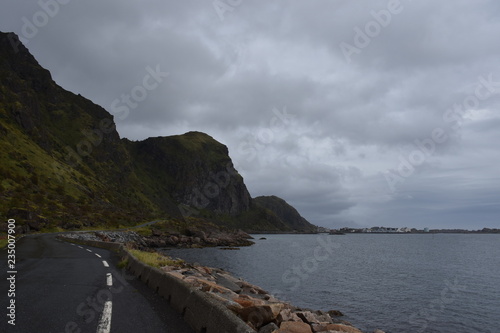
<point x="259" y="309"/>
<point x="124" y="237"/>
<point x="216" y="238"/>
<point x="195" y="170"/>
<point x="230" y="238"/>
<point x="294" y="327"/>
<point x="286" y="213"/>
<point x="63" y="159"/>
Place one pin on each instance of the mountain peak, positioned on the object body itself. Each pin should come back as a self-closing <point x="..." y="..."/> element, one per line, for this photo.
<point x="64" y="164"/>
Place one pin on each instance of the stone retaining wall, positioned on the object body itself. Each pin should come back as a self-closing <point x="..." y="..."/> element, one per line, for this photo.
<point x="200" y="311"/>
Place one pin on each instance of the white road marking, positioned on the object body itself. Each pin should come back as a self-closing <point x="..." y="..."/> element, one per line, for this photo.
<point x="109" y="280"/>
<point x="89" y="250"/>
<point x="105" y="321"/>
<point x="105" y="263"/>
<point x="80" y="247"/>
<point x="97" y="255"/>
<point x="72" y="244"/>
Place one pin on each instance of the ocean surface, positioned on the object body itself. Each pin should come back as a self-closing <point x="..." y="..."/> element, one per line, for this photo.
<point x="446" y="283"/>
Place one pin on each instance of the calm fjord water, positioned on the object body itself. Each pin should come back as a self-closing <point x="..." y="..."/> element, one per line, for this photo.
<point x="446" y="283"/>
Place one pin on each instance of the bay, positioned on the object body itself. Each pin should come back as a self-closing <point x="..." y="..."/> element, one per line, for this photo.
<point x="394" y="282"/>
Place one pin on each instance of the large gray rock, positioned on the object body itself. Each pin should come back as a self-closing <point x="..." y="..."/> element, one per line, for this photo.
<point x="228" y="283"/>
<point x="269" y="328"/>
<point x="294" y="327"/>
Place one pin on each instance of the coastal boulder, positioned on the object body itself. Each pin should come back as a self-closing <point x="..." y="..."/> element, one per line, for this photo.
<point x="288" y="315"/>
<point x="323" y="317"/>
<point x="335" y="313"/>
<point x="269" y="328"/>
<point x="247" y="301"/>
<point x="294" y="327"/>
<point x="261" y="315"/>
<point x="250" y="288"/>
<point x="228" y="282"/>
<point x="307" y="317"/>
<point x="342" y="328"/>
<point x="208" y="286"/>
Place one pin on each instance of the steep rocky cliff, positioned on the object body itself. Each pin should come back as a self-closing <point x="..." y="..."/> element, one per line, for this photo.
<point x="194" y="169"/>
<point x="62" y="160"/>
<point x="63" y="163"/>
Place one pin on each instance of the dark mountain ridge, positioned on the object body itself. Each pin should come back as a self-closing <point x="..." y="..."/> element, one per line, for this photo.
<point x="63" y="163"/>
<point x="284" y="212"/>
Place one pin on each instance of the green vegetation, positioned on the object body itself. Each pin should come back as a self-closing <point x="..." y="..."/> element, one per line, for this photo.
<point x="64" y="166"/>
<point x="187" y="226"/>
<point x="123" y="263"/>
<point x="155" y="259"/>
<point x="52" y="230"/>
<point x="144" y="231"/>
<point x="3" y="241"/>
<point x="284" y="212"/>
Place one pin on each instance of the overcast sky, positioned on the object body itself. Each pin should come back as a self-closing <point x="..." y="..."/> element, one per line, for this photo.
<point x="358" y="113"/>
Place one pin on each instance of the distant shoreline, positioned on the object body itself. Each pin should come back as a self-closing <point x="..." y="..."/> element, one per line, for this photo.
<point x="426" y="233"/>
<point x="430" y="232"/>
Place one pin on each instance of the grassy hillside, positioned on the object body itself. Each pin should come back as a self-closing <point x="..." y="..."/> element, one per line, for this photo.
<point x="286" y="213"/>
<point x="63" y="164"/>
<point x="62" y="161"/>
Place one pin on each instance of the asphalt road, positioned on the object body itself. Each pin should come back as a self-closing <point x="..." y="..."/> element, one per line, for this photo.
<point x="63" y="287"/>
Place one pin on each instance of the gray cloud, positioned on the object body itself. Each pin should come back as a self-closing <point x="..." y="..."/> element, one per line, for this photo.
<point x="346" y="124"/>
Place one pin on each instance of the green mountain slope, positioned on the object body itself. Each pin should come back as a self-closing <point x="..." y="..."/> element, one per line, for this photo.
<point x="63" y="164"/>
<point x="61" y="157"/>
<point x="286" y="213"/>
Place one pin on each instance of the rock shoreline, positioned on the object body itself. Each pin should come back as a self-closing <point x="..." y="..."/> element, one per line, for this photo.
<point x="256" y="307"/>
<point x="260" y="310"/>
<point x="199" y="238"/>
<point x="195" y="239"/>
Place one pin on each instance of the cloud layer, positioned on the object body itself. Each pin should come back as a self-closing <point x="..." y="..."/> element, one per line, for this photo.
<point x="357" y="113"/>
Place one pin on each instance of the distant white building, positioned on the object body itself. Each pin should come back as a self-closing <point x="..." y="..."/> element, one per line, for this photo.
<point x="382" y="230"/>
<point x="387" y="230"/>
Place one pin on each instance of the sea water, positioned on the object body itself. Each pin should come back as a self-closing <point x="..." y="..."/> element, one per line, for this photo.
<point x="446" y="283"/>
